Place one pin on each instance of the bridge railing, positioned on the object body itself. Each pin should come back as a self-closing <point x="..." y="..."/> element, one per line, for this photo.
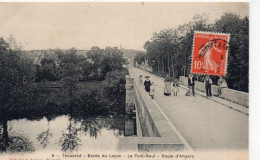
<point x="157" y="134"/>
<point x="238" y="97"/>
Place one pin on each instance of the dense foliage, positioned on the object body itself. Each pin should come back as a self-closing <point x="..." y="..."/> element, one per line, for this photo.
<point x="101" y="61"/>
<point x="71" y="84"/>
<point x="139" y="58"/>
<point x="169" y="51"/>
<point x="46" y="71"/>
<point x="26" y="89"/>
<point x="16" y="73"/>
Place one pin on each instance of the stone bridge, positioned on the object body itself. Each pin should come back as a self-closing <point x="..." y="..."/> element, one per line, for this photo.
<point x="183" y="123"/>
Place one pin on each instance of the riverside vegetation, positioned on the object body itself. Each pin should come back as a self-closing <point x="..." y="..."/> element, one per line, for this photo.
<point x="80" y="87"/>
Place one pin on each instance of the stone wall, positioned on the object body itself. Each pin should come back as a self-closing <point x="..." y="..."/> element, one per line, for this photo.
<point x="156" y="133"/>
<point x="147" y="121"/>
<point x="235" y="96"/>
<point x="129" y="89"/>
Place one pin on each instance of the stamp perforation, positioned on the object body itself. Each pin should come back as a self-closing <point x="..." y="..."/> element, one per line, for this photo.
<point x="210" y="33"/>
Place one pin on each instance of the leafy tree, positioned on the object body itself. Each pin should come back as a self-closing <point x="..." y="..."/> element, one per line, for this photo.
<point x="238" y="59"/>
<point x="102" y="61"/>
<point x="115" y="89"/>
<point x="47" y="70"/>
<point x="15" y="78"/>
<point x="16" y="75"/>
<point x="139" y="58"/>
<point x="13" y="44"/>
<point x="170" y="50"/>
<point x="71" y="71"/>
<point x="112" y="60"/>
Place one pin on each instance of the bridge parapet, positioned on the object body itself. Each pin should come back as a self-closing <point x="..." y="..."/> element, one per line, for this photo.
<point x="238" y="97"/>
<point x="154" y="133"/>
<point x="129" y="87"/>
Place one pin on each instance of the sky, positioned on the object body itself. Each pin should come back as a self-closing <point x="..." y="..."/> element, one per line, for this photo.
<point x="83" y="25"/>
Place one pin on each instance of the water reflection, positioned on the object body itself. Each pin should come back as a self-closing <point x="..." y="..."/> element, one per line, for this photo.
<point x="92" y="126"/>
<point x="63" y="133"/>
<point x="130" y="125"/>
<point x="70" y="141"/>
<point x="20" y="143"/>
<point x="44" y="136"/>
<point x="13" y="142"/>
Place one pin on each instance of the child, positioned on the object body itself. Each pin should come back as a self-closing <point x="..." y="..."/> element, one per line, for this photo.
<point x="140" y="79"/>
<point x="152" y="89"/>
<point x="175" y="87"/>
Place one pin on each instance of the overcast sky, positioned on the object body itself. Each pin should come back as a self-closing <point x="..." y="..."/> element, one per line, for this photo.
<point x="83" y="25"/>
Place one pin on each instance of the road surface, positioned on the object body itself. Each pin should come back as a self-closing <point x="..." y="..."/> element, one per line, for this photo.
<point x="204" y="124"/>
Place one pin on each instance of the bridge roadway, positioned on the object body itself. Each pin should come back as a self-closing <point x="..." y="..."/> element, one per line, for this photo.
<point x="203" y="123"/>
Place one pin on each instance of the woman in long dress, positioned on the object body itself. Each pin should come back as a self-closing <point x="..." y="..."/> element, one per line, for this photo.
<point x="147" y="84"/>
<point x="167" y="87"/>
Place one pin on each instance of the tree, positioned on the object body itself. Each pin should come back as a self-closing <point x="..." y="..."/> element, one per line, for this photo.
<point x="238" y="59"/>
<point x="112" y="60"/>
<point x="16" y="75"/>
<point x="13" y="44"/>
<point x="105" y="60"/>
<point x="47" y="70"/>
<point x="139" y="58"/>
<point x="71" y="71"/>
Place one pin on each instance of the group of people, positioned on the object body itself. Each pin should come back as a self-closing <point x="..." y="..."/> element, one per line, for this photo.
<point x="208" y="82"/>
<point x="173" y="87"/>
<point x="150" y="87"/>
<point x="167" y="86"/>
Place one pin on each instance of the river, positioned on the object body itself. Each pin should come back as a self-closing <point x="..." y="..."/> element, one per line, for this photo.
<point x="65" y="134"/>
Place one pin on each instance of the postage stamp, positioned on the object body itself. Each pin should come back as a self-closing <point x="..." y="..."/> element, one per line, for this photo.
<point x="210" y="52"/>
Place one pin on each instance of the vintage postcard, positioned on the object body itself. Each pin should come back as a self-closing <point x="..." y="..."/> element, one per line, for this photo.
<point x="124" y="80"/>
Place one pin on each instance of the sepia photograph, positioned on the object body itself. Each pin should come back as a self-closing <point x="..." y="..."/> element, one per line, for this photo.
<point x="124" y="80"/>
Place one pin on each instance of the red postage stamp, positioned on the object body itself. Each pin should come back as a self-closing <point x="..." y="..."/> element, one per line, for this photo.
<point x="210" y="53"/>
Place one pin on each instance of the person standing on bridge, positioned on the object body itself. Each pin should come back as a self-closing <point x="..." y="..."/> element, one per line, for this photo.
<point x="221" y="84"/>
<point x="167" y="87"/>
<point x="152" y="90"/>
<point x="208" y="83"/>
<point x="140" y="80"/>
<point x="147" y="84"/>
<point x="175" y="87"/>
<point x="191" y="84"/>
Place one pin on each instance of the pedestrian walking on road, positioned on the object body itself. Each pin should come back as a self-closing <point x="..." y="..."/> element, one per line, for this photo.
<point x="221" y="84"/>
<point x="152" y="89"/>
<point x="147" y="84"/>
<point x="175" y="87"/>
<point x="140" y="79"/>
<point x="167" y="87"/>
<point x="208" y="83"/>
<point x="191" y="84"/>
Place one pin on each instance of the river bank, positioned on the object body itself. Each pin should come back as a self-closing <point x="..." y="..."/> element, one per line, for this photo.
<point x="96" y="109"/>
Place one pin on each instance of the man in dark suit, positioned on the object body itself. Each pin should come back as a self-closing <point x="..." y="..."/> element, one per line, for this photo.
<point x="191" y="83"/>
<point x="208" y="83"/>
